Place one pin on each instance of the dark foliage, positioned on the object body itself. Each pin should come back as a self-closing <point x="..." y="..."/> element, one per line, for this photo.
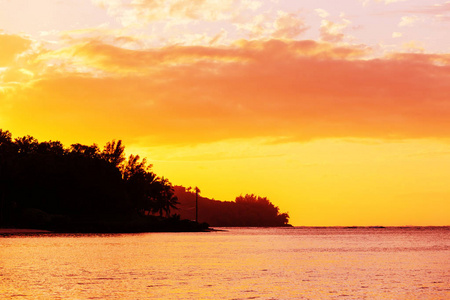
<point x="80" y="188"/>
<point x="248" y="210"/>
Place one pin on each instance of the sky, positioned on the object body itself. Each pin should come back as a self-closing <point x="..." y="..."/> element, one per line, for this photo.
<point x="337" y="111"/>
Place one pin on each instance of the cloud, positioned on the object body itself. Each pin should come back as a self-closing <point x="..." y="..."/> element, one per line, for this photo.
<point x="332" y="32"/>
<point x="408" y="21"/>
<point x="413" y="46"/>
<point x="258" y="27"/>
<point x="135" y="12"/>
<point x="434" y="59"/>
<point x="109" y="59"/>
<point x="298" y="90"/>
<point x="288" y="26"/>
<point x="322" y="13"/>
<point x="17" y="65"/>
<point x="203" y="22"/>
<point x="15" y="75"/>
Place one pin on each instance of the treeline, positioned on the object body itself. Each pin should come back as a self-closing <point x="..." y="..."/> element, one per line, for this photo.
<point x="82" y="188"/>
<point x="248" y="210"/>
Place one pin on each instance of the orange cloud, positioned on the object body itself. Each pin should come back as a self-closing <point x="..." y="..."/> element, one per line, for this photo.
<point x="288" y="26"/>
<point x="298" y="90"/>
<point x="437" y="59"/>
<point x="332" y="32"/>
<point x="108" y="58"/>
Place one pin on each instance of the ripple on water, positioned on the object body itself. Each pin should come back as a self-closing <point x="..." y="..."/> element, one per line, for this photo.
<point x="300" y="264"/>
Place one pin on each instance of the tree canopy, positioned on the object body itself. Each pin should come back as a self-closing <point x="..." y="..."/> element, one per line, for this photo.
<point x="77" y="182"/>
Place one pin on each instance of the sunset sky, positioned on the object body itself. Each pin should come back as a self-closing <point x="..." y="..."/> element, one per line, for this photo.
<point x="337" y="111"/>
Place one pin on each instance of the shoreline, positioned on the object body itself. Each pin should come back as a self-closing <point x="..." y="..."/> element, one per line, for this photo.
<point x="19" y="231"/>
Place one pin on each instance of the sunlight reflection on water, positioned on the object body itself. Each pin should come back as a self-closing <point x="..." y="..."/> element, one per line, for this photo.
<point x="241" y="263"/>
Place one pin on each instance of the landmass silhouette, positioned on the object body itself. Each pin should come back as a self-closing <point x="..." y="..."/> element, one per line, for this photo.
<point x="81" y="188"/>
<point x="245" y="211"/>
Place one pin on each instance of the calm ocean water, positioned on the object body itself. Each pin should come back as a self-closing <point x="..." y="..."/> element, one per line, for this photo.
<point x="241" y="263"/>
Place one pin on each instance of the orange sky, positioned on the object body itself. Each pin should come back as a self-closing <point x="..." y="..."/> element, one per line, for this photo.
<point x="338" y="114"/>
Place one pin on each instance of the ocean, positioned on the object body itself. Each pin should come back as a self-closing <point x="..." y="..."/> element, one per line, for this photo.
<point x="236" y="263"/>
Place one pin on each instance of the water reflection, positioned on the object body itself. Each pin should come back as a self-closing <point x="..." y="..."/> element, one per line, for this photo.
<point x="303" y="263"/>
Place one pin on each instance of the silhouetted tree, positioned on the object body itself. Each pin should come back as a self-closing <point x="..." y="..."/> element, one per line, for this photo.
<point x="26" y="144"/>
<point x="87" y="151"/>
<point x="52" y="147"/>
<point x="163" y="196"/>
<point x="114" y="153"/>
<point x="139" y="179"/>
<point x="257" y="209"/>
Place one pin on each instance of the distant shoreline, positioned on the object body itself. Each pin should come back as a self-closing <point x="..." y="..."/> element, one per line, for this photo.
<point x="20" y="231"/>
